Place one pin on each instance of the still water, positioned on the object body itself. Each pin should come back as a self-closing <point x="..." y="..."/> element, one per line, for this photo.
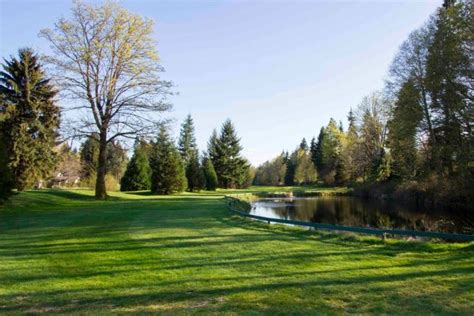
<point x="354" y="211"/>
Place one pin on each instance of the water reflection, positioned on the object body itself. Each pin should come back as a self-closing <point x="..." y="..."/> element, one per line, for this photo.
<point x="352" y="211"/>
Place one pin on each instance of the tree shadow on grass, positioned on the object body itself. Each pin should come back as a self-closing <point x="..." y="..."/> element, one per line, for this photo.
<point x="367" y="286"/>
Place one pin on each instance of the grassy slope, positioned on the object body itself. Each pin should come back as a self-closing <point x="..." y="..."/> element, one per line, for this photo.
<point x="64" y="252"/>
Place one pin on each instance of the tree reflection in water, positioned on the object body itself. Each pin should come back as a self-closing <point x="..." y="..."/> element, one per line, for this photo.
<point x="353" y="211"/>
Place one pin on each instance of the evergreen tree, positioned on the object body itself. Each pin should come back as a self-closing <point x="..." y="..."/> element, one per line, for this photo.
<point x="116" y="158"/>
<point x="89" y="154"/>
<point x="6" y="179"/>
<point x="449" y="84"/>
<point x="317" y="154"/>
<point x="304" y="144"/>
<point x="407" y="114"/>
<point x="225" y="155"/>
<point x="347" y="168"/>
<point x="138" y="173"/>
<point x="212" y="145"/>
<point x="168" y="175"/>
<point x="291" y="169"/>
<point x="312" y="149"/>
<point x="195" y="174"/>
<point x="209" y="174"/>
<point x="30" y="118"/>
<point x="187" y="141"/>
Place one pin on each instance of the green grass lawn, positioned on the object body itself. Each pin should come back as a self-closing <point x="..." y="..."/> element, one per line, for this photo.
<point x="63" y="252"/>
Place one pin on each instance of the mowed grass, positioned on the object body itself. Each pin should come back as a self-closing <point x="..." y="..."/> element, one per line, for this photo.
<point x="64" y="252"/>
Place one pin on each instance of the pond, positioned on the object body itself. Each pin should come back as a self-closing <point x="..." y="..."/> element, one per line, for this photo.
<point x="354" y="211"/>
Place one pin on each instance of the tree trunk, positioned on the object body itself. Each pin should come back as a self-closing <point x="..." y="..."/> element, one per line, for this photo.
<point x="100" y="189"/>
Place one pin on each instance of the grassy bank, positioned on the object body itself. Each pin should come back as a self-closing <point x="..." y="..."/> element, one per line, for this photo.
<point x="62" y="251"/>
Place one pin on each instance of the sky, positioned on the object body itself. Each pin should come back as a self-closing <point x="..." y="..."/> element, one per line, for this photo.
<point x="278" y="69"/>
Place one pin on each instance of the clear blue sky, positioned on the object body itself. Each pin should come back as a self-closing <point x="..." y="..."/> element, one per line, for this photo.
<point x="278" y="69"/>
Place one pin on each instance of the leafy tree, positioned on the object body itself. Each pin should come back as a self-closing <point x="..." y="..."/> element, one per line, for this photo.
<point x="30" y="119"/>
<point x="374" y="111"/>
<point x="247" y="178"/>
<point x="305" y="171"/>
<point x="410" y="64"/>
<point x="194" y="173"/>
<point x="331" y="148"/>
<point x="138" y="173"/>
<point x="68" y="169"/>
<point x="272" y="172"/>
<point x="106" y="59"/>
<point x="209" y="174"/>
<point x="225" y="155"/>
<point x="117" y="159"/>
<point x="168" y="175"/>
<point x="187" y="141"/>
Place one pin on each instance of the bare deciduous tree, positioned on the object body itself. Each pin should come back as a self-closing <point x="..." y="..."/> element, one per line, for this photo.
<point x="106" y="61"/>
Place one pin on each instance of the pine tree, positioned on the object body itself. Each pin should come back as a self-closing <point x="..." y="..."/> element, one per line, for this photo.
<point x="187" y="141"/>
<point x="317" y="154"/>
<point x="168" y="175"/>
<point x="89" y="154"/>
<point x="304" y="144"/>
<point x="291" y="169"/>
<point x="209" y="174"/>
<point x="449" y="83"/>
<point x="225" y="155"/>
<point x="116" y="162"/>
<point x="6" y="179"/>
<point x="407" y="115"/>
<point x="31" y="118"/>
<point x="212" y="145"/>
<point x="138" y="173"/>
<point x="347" y="168"/>
<point x="195" y="174"/>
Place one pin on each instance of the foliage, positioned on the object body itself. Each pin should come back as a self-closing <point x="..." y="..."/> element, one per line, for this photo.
<point x="209" y="174"/>
<point x="138" y="173"/>
<point x="68" y="169"/>
<point x="194" y="173"/>
<point x="30" y="119"/>
<point x="6" y="179"/>
<point x="116" y="159"/>
<point x="272" y="172"/>
<point x="168" y="174"/>
<point x="449" y="73"/>
<point x="187" y="141"/>
<point x="305" y="171"/>
<point x="106" y="59"/>
<point x="224" y="152"/>
<point x="407" y="114"/>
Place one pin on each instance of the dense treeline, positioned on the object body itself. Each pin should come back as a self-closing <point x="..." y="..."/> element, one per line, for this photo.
<point x="166" y="168"/>
<point x="416" y="135"/>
